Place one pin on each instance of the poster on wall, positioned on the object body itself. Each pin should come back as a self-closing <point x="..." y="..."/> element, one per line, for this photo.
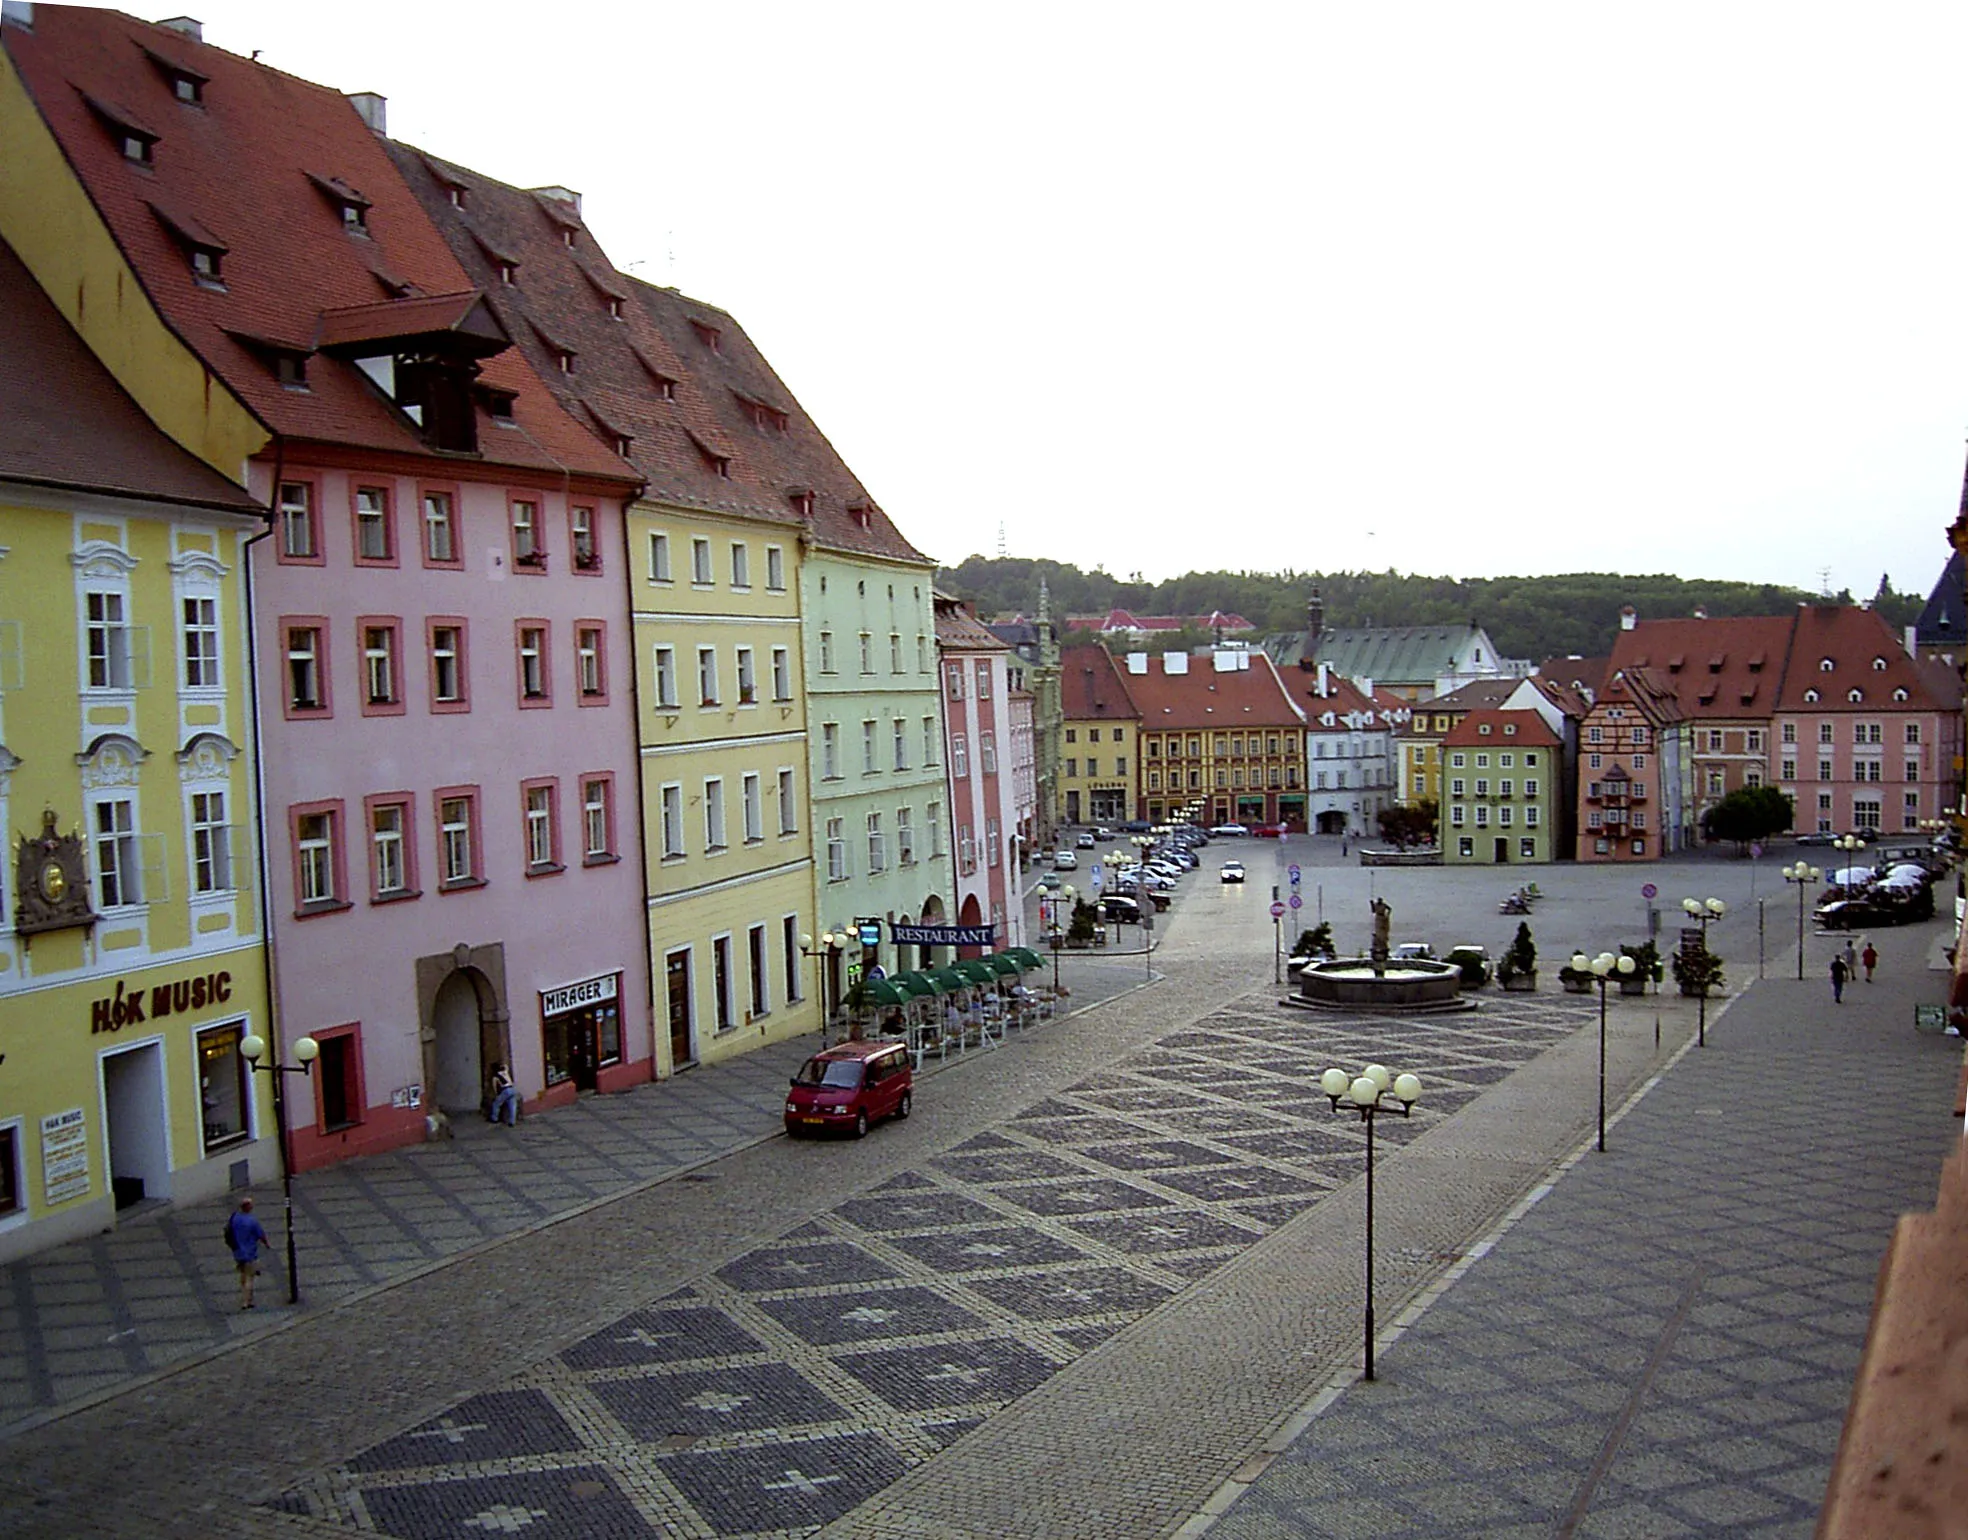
<point x="64" y="1156"/>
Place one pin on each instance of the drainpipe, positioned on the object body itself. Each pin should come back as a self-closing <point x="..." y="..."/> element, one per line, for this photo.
<point x="276" y="1026"/>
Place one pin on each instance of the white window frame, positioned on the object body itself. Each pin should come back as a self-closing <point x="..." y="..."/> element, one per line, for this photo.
<point x="670" y="798"/>
<point x="754" y="808"/>
<point x="788" y="801"/>
<point x="663" y="660"/>
<point x="714" y="830"/>
<point x="659" y="557"/>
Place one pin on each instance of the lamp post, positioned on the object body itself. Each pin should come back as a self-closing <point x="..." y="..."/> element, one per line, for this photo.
<point x="1367" y="1094"/>
<point x="1703" y="911"/>
<point x="1602" y="968"/>
<point x="252" y="1049"/>
<point x="1803" y="874"/>
<point x="1850" y="845"/>
<point x="830" y="943"/>
<point x="1064" y="895"/>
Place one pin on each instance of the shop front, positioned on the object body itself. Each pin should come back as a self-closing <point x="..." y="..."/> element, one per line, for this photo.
<point x="581" y="1038"/>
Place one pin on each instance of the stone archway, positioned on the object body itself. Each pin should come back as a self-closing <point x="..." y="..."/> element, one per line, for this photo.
<point x="461" y="999"/>
<point x="972" y="913"/>
<point x="932" y="914"/>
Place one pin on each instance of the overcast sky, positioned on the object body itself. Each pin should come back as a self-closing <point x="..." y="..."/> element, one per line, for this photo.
<point x="1446" y="288"/>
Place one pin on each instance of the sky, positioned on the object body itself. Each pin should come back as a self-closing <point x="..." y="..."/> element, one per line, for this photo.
<point x="1448" y="289"/>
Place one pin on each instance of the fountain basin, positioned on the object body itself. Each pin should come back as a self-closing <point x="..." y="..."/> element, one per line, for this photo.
<point x="1359" y="984"/>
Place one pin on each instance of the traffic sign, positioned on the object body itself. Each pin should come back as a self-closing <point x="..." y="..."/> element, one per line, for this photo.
<point x="1294" y="873"/>
<point x="1277" y="911"/>
<point x="1649" y="891"/>
<point x="878" y="972"/>
<point x="1297" y="902"/>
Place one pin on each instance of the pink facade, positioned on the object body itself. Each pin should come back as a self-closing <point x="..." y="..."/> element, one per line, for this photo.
<point x="1024" y="771"/>
<point x="450" y="792"/>
<point x="978" y="720"/>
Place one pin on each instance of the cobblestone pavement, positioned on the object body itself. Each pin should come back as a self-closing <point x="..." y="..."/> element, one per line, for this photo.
<point x="1665" y="1344"/>
<point x="927" y="1333"/>
<point x="86" y="1319"/>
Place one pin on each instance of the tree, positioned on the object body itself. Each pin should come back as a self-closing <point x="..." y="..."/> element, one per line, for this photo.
<point x="1748" y="813"/>
<point x="1406" y="826"/>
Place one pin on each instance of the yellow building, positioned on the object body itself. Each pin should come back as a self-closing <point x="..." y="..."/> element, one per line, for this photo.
<point x="131" y="955"/>
<point x="1099" y="759"/>
<point x="1418" y="746"/>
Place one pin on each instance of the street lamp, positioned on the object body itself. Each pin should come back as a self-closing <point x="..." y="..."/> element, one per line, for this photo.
<point x="252" y="1048"/>
<point x="1703" y="911"/>
<point x="1803" y="874"/>
<point x="1367" y="1094"/>
<point x="1602" y="968"/>
<point x="830" y="943"/>
<point x="1065" y="895"/>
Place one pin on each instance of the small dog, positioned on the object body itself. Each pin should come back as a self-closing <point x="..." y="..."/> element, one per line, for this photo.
<point x="438" y="1126"/>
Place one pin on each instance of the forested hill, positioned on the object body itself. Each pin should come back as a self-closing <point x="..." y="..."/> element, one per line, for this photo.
<point x="1527" y="617"/>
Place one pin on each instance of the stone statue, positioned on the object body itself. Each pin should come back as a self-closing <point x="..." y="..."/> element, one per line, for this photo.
<point x="1383" y="914"/>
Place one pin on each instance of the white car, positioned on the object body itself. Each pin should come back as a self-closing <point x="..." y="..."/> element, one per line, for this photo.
<point x="1230" y="829"/>
<point x="1086" y="841"/>
<point x="1231" y="871"/>
<point x="1065" y="861"/>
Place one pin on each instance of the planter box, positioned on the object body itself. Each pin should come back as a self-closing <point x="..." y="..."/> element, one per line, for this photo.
<point x="1577" y="986"/>
<point x="1522" y="983"/>
<point x="1633" y="986"/>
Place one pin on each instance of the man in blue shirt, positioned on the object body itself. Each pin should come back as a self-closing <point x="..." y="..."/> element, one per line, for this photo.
<point x="245" y="1235"/>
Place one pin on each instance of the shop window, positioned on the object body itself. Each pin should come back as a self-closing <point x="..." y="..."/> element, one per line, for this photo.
<point x="338" y="1081"/>
<point x="578" y="1039"/>
<point x="12" y="1201"/>
<point x="223" y="1088"/>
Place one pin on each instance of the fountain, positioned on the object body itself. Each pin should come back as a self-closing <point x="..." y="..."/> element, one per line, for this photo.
<point x="1377" y="982"/>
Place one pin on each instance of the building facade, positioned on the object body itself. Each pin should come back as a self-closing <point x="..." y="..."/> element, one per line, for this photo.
<point x="1099" y="773"/>
<point x="979" y="717"/>
<point x="1221" y="741"/>
<point x="1349" y="757"/>
<point x="1631" y="771"/>
<point x="1501" y="769"/>
<point x="132" y="957"/>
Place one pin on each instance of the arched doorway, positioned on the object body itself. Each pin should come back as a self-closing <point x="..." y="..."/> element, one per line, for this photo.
<point x="932" y="914"/>
<point x="460" y="1058"/>
<point x="972" y="913"/>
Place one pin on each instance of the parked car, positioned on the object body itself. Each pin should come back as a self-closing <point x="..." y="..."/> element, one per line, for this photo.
<point x="1086" y="841"/>
<point x="1474" y="962"/>
<point x="1816" y="838"/>
<point x="1231" y="830"/>
<point x="1118" y="909"/>
<point x="1231" y="871"/>
<point x="1268" y="831"/>
<point x="1137" y="826"/>
<point x="850" y="1086"/>
<point x="1413" y="951"/>
<point x="1065" y="861"/>
<point x="1103" y="833"/>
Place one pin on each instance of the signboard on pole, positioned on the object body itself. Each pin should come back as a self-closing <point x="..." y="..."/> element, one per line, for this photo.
<point x="1293" y="871"/>
<point x="1296" y="902"/>
<point x="1277" y="911"/>
<point x="1649" y="892"/>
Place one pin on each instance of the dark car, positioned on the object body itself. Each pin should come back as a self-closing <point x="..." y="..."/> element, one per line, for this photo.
<point x="1118" y="909"/>
<point x="1878" y="906"/>
<point x="850" y="1086"/>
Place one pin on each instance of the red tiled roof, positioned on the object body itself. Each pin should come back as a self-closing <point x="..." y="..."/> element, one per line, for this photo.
<point x="1728" y="666"/>
<point x="1092" y="686"/>
<point x="1867" y="656"/>
<point x="244" y="169"/>
<point x="64" y="422"/>
<point x="1532" y="732"/>
<point x="1642" y="687"/>
<point x="958" y="630"/>
<point x="1204" y="698"/>
<point x="1576" y="673"/>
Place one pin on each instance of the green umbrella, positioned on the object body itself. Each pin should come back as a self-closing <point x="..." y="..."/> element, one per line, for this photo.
<point x="950" y="979"/>
<point x="1003" y="964"/>
<point x="921" y="985"/>
<point x="884" y="992"/>
<point x="1026" y="958"/>
<point x="976" y="971"/>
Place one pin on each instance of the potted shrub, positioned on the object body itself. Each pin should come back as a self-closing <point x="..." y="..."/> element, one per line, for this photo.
<point x="1316" y="942"/>
<point x="1517" y="968"/>
<point x="1697" y="973"/>
<point x="1577" y="981"/>
<point x="1646" y="968"/>
<point x="1084" y="927"/>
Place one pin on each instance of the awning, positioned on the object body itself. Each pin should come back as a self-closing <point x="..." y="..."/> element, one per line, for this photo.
<point x="1026" y="958"/>
<point x="884" y="992"/>
<point x="950" y="979"/>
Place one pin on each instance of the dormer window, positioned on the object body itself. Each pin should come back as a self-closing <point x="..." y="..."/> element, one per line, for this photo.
<point x="291" y="370"/>
<point x="354" y="220"/>
<point x="1879" y="665"/>
<point x="803" y="504"/>
<point x="565" y="361"/>
<point x="186" y="84"/>
<point x="1899" y="695"/>
<point x="204" y="251"/>
<point x="205" y="264"/>
<point x="721" y="466"/>
<point x="861" y="514"/>
<point x="1810" y="697"/>
<point x="614" y="309"/>
<point x="509" y="273"/>
<point x="136" y="140"/>
<point x="188" y="88"/>
<point x="709" y="336"/>
<point x="1825" y="665"/>
<point x="1855" y="696"/>
<point x="457" y="195"/>
<point x="137" y="148"/>
<point x="347" y="202"/>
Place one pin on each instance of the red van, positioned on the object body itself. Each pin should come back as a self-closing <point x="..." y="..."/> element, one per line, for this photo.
<point x="850" y="1086"/>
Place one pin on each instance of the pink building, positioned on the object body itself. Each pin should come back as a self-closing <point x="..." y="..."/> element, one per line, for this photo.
<point x="440" y="621"/>
<point x="1866" y="734"/>
<point x="981" y="756"/>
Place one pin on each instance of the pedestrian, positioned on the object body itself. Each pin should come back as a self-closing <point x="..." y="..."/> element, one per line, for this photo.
<point x="1851" y="959"/>
<point x="1839" y="973"/>
<point x="1342" y="848"/>
<point x="1871" y="960"/>
<point x="245" y="1235"/>
<point x="505" y="1096"/>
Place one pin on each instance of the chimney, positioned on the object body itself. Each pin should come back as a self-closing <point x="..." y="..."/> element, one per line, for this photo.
<point x="20" y="13"/>
<point x="189" y="26"/>
<point x="1315" y="622"/>
<point x="1325" y="679"/>
<point x="1913" y="641"/>
<point x="1629" y="617"/>
<point x="372" y="109"/>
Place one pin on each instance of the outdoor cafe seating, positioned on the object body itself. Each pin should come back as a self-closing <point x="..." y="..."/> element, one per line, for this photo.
<point x="966" y="1005"/>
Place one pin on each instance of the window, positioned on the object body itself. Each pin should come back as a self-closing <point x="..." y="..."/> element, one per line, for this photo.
<point x="440" y="533"/>
<point x="830" y="769"/>
<point x="984" y="682"/>
<point x="933" y="817"/>
<point x="374" y="537"/>
<point x="300" y="539"/>
<point x="707" y="676"/>
<point x="1457" y="761"/>
<point x="960" y="758"/>
<point x="389" y="851"/>
<point x="775" y="569"/>
<point x="379" y="666"/>
<point x="1527" y="850"/>
<point x="1456" y="815"/>
<point x="527" y="550"/>
<point x="1595" y="761"/>
<point x="782" y="674"/>
<point x="1530" y="791"/>
<point x="659" y="558"/>
<point x="201" y="643"/>
<point x="1824" y="732"/>
<point x="672" y="822"/>
<point x="1753" y="740"/>
<point x="754" y="812"/>
<point x="721" y="981"/>
<point x="789" y="933"/>
<point x="1455" y="786"/>
<point x="1593" y="735"/>
<point x="955" y="676"/>
<point x="1504" y="788"/>
<point x="905" y="836"/>
<point x="1503" y="816"/>
<point x="1639" y="818"/>
<point x="991" y="842"/>
<point x="587" y="663"/>
<point x="700" y="562"/>
<point x="532" y="641"/>
<point x="922" y="653"/>
<point x="1789" y="770"/>
<point x="836" y="851"/>
<point x="211" y="844"/>
<point x="307" y="683"/>
<point x="1910" y="811"/>
<point x="741" y="564"/>
<point x="987" y="753"/>
<point x="788" y="803"/>
<point x="542" y="826"/>
<point x="895" y="652"/>
<point x="597" y="818"/>
<point x="1482" y="786"/>
<point x="666" y="684"/>
<point x="108" y="642"/>
<point x="1530" y="817"/>
<point x="877" y="844"/>
<point x="1714" y="741"/>
<point x="1913" y="732"/>
<point x="826" y="652"/>
<point x="581" y="538"/>
<point x="1912" y="770"/>
<point x="447" y="665"/>
<point x="1824" y="769"/>
<point x="747" y="678"/>
<point x="713" y="814"/>
<point x="315" y="857"/>
<point x="867" y="653"/>
<point x="225" y="1092"/>
<point x="755" y="947"/>
<point x="457" y="838"/>
<point x="868" y="765"/>
<point x="1865" y="814"/>
<point x="929" y="740"/>
<point x="899" y="731"/>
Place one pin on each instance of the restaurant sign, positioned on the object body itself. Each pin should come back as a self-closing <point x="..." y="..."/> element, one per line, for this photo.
<point x="944" y="935"/>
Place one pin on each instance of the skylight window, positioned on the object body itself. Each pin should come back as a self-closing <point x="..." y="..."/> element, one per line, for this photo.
<point x="509" y="273"/>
